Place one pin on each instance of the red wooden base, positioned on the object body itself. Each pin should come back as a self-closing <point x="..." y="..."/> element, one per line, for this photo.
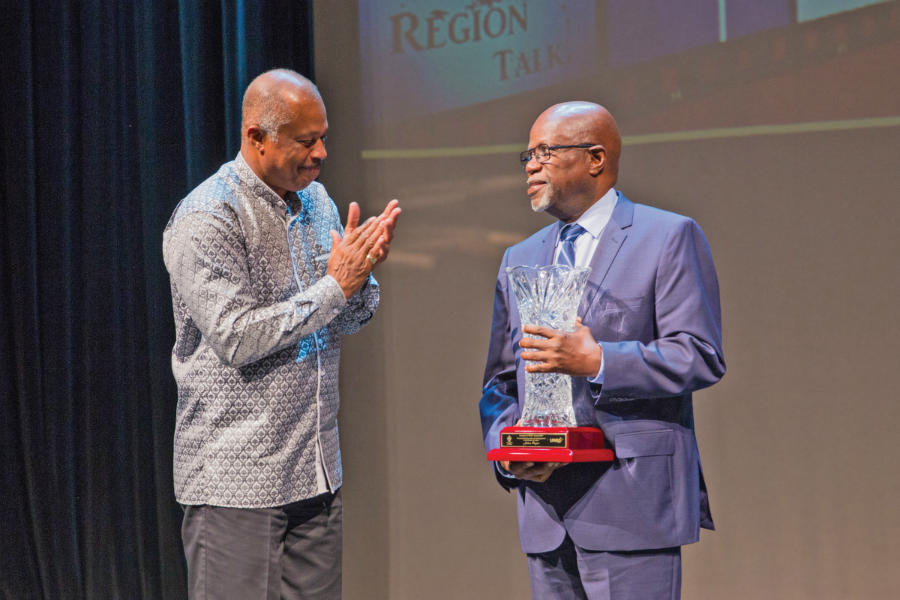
<point x="552" y="444"/>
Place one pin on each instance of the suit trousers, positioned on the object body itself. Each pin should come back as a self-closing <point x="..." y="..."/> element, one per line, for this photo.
<point x="289" y="552"/>
<point x="570" y="573"/>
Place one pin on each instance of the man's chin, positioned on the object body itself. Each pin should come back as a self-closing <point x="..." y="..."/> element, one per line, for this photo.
<point x="540" y="204"/>
<point x="304" y="181"/>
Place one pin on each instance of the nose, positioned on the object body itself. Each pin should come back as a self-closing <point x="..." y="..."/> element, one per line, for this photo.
<point x="532" y="166"/>
<point x="318" y="150"/>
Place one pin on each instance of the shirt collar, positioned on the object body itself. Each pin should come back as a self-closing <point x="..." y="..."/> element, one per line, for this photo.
<point x="251" y="179"/>
<point x="599" y="213"/>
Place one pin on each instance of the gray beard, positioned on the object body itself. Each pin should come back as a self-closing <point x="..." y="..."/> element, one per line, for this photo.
<point x="542" y="206"/>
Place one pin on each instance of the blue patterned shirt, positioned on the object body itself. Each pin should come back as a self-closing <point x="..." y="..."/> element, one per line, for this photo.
<point x="258" y="325"/>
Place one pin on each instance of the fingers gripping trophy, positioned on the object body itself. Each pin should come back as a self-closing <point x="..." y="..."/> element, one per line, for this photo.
<point x="548" y="296"/>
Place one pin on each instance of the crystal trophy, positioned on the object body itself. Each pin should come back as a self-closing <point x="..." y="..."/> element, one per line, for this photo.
<point x="549" y="296"/>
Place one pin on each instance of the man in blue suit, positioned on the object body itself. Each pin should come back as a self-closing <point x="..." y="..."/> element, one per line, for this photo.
<point x="649" y="334"/>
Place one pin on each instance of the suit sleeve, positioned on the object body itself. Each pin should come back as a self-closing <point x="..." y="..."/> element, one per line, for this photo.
<point x="686" y="354"/>
<point x="499" y="406"/>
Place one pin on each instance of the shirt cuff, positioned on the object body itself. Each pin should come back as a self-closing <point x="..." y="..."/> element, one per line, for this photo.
<point x="598" y="378"/>
<point x="504" y="473"/>
<point x="333" y="300"/>
<point x="324" y="298"/>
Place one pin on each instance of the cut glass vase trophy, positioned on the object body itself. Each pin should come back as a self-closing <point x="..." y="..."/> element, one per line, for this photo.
<point x="548" y="432"/>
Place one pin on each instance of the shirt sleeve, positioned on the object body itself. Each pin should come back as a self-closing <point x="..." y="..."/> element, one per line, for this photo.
<point x="360" y="308"/>
<point x="207" y="263"/>
<point x="597" y="380"/>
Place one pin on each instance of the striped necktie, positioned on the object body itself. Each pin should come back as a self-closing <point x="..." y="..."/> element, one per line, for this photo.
<point x="567" y="237"/>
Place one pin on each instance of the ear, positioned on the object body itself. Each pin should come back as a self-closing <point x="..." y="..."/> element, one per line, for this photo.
<point x="256" y="136"/>
<point x="598" y="160"/>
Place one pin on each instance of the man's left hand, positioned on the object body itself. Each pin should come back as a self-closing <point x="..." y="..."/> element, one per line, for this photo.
<point x="388" y="219"/>
<point x="531" y="471"/>
<point x="573" y="353"/>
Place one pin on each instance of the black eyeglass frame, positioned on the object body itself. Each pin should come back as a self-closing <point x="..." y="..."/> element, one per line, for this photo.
<point x="545" y="152"/>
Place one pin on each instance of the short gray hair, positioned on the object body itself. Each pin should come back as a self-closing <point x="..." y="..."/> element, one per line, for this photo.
<point x="273" y="112"/>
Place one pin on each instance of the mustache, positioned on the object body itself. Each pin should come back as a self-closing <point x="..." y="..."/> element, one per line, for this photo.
<point x="316" y="163"/>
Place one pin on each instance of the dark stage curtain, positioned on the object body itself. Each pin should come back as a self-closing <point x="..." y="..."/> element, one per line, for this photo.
<point x="111" y="112"/>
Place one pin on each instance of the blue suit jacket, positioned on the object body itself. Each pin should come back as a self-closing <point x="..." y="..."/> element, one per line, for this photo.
<point x="652" y="302"/>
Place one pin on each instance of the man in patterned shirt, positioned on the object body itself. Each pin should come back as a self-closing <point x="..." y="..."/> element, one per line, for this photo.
<point x="265" y="281"/>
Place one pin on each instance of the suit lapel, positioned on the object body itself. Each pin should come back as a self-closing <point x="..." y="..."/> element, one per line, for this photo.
<point x="611" y="240"/>
<point x="548" y="244"/>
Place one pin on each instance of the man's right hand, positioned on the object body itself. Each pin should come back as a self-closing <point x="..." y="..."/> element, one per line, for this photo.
<point x="348" y="262"/>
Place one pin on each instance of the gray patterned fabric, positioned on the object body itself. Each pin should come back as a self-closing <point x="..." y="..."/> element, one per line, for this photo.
<point x="258" y="325"/>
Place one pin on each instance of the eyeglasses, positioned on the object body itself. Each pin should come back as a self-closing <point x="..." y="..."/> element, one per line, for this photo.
<point x="543" y="152"/>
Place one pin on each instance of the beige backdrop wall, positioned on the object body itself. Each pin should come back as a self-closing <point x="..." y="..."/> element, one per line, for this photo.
<point x="799" y="440"/>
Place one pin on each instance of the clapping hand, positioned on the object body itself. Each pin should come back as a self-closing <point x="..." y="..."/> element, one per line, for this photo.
<point x="363" y="246"/>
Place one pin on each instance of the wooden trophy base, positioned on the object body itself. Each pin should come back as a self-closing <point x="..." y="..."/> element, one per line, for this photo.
<point x="552" y="444"/>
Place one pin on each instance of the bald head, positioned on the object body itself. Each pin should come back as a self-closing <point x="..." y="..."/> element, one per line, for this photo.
<point x="271" y="99"/>
<point x="587" y="122"/>
<point x="283" y="130"/>
<point x="582" y="160"/>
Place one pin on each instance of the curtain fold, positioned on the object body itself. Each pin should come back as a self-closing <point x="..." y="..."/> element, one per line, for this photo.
<point x="112" y="112"/>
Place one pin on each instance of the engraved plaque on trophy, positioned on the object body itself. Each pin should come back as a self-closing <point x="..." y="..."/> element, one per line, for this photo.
<point x="547" y="432"/>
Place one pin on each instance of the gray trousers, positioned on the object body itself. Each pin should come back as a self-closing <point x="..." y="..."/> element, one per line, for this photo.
<point x="289" y="552"/>
<point x="570" y="572"/>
